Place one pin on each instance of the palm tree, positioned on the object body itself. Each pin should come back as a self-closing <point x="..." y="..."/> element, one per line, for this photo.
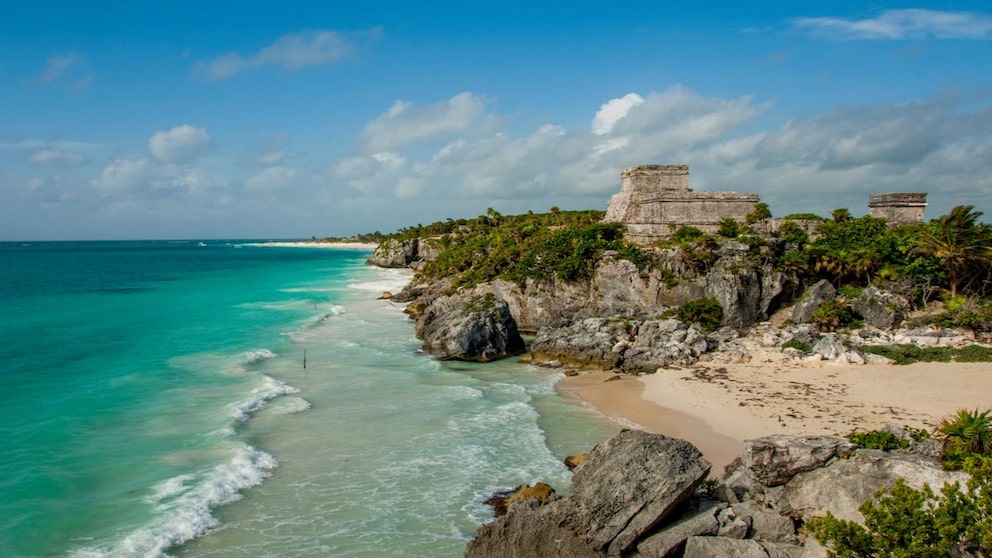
<point x="958" y="241"/>
<point x="968" y="433"/>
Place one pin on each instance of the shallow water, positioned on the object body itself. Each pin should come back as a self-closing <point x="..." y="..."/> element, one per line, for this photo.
<point x="157" y="402"/>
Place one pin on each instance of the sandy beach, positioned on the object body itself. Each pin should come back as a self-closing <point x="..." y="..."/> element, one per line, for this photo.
<point x="718" y="406"/>
<point x="309" y="244"/>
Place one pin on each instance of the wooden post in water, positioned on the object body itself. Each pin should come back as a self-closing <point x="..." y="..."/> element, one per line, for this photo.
<point x="304" y="359"/>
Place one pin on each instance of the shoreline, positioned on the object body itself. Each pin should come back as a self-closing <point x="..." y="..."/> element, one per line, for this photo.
<point x="719" y="406"/>
<point x="310" y="244"/>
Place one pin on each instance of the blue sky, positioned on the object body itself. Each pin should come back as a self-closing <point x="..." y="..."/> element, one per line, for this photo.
<point x="291" y="119"/>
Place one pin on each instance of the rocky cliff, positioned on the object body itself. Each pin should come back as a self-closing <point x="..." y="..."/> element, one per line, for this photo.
<point x="642" y="495"/>
<point x="617" y="289"/>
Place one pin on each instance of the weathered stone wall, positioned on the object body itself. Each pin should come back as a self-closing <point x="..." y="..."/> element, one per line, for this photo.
<point x="654" y="200"/>
<point x="899" y="208"/>
<point x="644" y="178"/>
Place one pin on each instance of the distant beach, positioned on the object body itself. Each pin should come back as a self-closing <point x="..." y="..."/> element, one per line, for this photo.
<point x="718" y="406"/>
<point x="321" y="244"/>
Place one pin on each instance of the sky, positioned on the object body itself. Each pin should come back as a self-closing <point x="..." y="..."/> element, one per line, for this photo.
<point x="217" y="119"/>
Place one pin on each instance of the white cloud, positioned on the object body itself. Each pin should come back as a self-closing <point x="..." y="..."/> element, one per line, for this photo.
<point x="179" y="144"/>
<point x="612" y="111"/>
<point x="272" y="179"/>
<point x="58" y="66"/>
<point x="57" y="158"/>
<point x="292" y="51"/>
<point x="124" y="174"/>
<point x="902" y="24"/>
<point x="403" y="123"/>
<point x="817" y="163"/>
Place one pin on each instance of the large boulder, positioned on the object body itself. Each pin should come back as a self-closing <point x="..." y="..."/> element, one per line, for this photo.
<point x="671" y="540"/>
<point x="472" y="326"/>
<point x="404" y="253"/>
<point x="588" y="343"/>
<point x="773" y="460"/>
<point x="710" y="547"/>
<point x="663" y="343"/>
<point x="814" y="296"/>
<point x="879" y="308"/>
<point x="629" y="483"/>
<point x="625" y="487"/>
<point x="737" y="287"/>
<point x="843" y="485"/>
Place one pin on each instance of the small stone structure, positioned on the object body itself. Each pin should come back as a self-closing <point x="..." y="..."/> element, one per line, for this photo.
<point x="899" y="208"/>
<point x="654" y="200"/>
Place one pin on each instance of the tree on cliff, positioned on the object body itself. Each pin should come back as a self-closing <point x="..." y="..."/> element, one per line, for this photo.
<point x="959" y="242"/>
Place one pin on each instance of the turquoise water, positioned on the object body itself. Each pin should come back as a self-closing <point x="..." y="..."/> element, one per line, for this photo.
<point x="155" y="402"/>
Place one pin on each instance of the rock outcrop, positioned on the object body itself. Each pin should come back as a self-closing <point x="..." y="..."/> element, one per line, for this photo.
<point x="638" y="495"/>
<point x="879" y="309"/>
<point x="633" y="346"/>
<point x="404" y="253"/>
<point x="814" y="296"/>
<point x="471" y="326"/>
<point x="620" y="492"/>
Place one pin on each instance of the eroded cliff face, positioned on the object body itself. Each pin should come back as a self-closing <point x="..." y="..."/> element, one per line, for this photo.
<point x="746" y="290"/>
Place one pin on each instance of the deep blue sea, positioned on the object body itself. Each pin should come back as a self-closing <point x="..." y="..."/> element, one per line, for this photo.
<point x="154" y="402"/>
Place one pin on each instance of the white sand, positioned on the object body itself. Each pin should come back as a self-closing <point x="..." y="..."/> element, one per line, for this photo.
<point x="718" y="406"/>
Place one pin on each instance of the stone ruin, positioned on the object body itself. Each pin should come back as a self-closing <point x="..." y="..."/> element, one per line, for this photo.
<point x="899" y="208"/>
<point x="654" y="200"/>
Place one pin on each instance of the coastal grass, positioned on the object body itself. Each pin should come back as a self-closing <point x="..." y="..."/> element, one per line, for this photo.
<point x="908" y="354"/>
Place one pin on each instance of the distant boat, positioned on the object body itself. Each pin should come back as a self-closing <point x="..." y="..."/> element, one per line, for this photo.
<point x="201" y="244"/>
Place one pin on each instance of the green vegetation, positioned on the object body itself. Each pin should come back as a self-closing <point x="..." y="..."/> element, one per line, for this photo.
<point x="833" y="315"/>
<point x="878" y="439"/>
<point x="904" y="522"/>
<point x="908" y="354"/>
<point x="959" y="242"/>
<point x="967" y="434"/>
<point x="729" y="228"/>
<point x="803" y="217"/>
<point x="797" y="344"/>
<point x="481" y="303"/>
<point x="562" y="244"/>
<point x="704" y="312"/>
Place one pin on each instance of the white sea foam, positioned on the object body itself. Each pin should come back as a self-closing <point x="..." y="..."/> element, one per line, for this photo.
<point x="388" y="280"/>
<point x="289" y="405"/>
<point x="271" y="387"/>
<point x="258" y="355"/>
<point x="184" y="504"/>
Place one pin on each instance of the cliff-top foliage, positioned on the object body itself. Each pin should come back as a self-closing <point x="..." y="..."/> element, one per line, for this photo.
<point x="560" y="244"/>
<point x="902" y="521"/>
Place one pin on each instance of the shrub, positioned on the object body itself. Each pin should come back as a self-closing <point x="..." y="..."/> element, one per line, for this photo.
<point x="704" y="312"/>
<point x="878" y="439"/>
<point x="797" y="344"/>
<point x="729" y="228"/>
<point x="974" y="353"/>
<point x="686" y="233"/>
<point x="967" y="434"/>
<point x="832" y="315"/>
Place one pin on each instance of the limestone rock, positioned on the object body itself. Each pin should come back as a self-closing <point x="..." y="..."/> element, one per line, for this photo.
<point x="672" y="539"/>
<point x="626" y="486"/>
<point x="844" y="484"/>
<point x="585" y="344"/>
<point x="811" y="300"/>
<point x="710" y="547"/>
<point x="879" y="308"/>
<point x="738" y="290"/>
<point x="773" y="460"/>
<point x="503" y="501"/>
<point x="618" y="496"/>
<point x="765" y="524"/>
<point x="469" y="326"/>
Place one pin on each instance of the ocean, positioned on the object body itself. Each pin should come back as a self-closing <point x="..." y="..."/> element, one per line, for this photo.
<point x="155" y="402"/>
